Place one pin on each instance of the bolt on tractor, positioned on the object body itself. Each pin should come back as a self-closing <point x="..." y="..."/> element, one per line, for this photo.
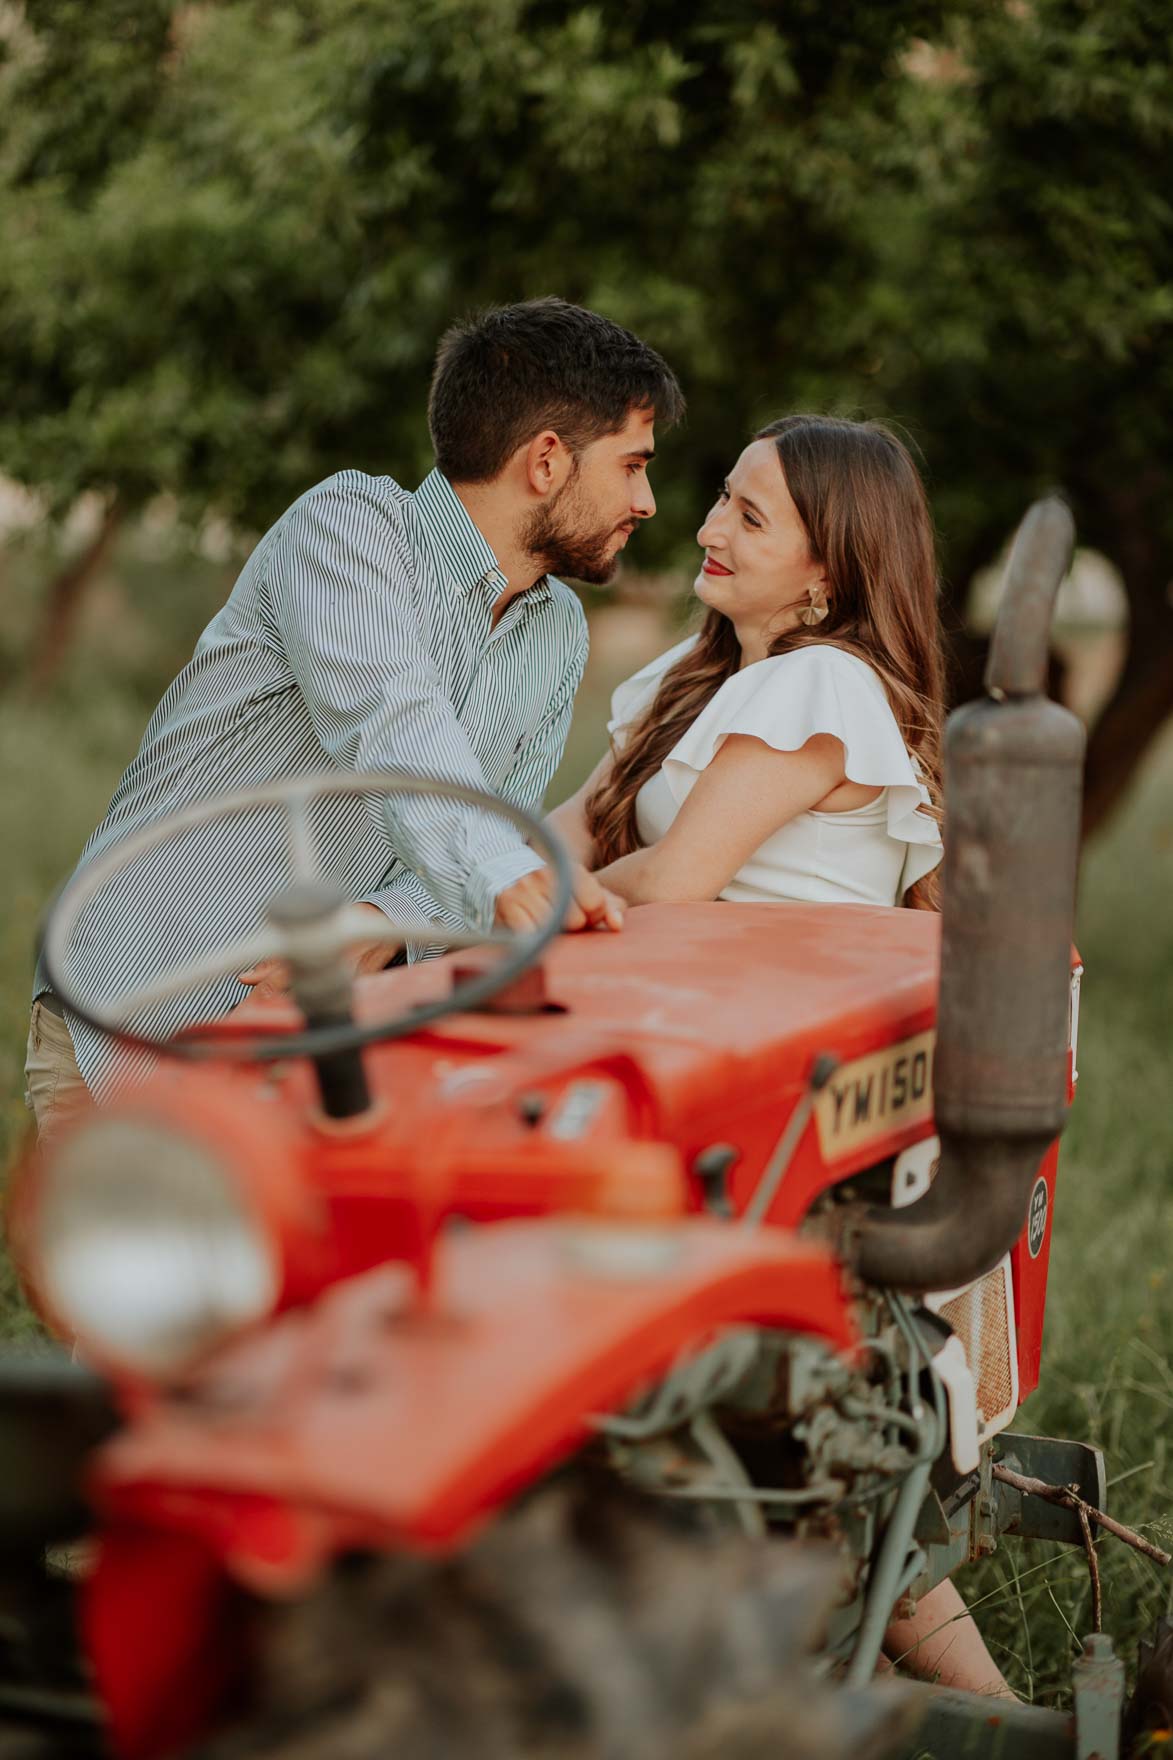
<point x="583" y="1346"/>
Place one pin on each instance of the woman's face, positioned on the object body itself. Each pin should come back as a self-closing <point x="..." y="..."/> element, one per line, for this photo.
<point x="758" y="567"/>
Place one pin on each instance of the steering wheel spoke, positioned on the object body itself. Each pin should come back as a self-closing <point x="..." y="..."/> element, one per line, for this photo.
<point x="303" y="850"/>
<point x="451" y="940"/>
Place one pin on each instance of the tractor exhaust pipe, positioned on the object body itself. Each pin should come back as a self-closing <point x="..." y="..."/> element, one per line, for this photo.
<point x="1013" y="785"/>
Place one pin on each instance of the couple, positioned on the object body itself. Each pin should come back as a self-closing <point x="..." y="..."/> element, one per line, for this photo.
<point x="788" y="751"/>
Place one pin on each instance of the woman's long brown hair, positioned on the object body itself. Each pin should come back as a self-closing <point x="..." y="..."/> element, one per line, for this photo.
<point x="861" y="500"/>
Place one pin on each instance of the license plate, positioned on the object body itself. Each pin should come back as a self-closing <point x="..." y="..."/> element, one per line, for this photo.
<point x="865" y="1101"/>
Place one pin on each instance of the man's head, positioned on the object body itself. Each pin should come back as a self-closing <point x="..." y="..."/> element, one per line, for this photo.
<point x="556" y="406"/>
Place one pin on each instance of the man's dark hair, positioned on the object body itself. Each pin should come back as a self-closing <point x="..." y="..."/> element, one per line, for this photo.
<point x="507" y="373"/>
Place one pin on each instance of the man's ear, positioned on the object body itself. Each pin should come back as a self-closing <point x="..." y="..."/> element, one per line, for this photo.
<point x="549" y="463"/>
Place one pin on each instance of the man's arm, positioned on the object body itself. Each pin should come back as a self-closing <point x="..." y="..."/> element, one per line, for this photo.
<point x="343" y="612"/>
<point x="593" y="906"/>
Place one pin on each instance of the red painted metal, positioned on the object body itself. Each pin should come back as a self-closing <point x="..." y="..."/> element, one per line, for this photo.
<point x="408" y="1422"/>
<point x="372" y="1419"/>
<point x="414" y="1375"/>
<point x="164" y="1629"/>
<point x="1029" y="1275"/>
<point x="701" y="1021"/>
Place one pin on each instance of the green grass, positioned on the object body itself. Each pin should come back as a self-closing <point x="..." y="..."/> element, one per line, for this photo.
<point x="1108" y="1353"/>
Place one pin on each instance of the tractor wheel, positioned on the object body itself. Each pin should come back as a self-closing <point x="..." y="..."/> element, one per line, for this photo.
<point x="46" y="1706"/>
<point x="587" y="1623"/>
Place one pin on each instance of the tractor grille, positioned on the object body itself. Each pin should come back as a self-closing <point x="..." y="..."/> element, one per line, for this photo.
<point x="982" y="1316"/>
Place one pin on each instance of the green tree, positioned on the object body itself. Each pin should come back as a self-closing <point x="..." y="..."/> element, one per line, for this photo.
<point x="1037" y="342"/>
<point x="236" y="229"/>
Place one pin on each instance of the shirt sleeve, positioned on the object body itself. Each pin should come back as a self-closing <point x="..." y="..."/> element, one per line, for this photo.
<point x="342" y="609"/>
<point x="541" y="753"/>
<point x="405" y="900"/>
<point x="785" y="700"/>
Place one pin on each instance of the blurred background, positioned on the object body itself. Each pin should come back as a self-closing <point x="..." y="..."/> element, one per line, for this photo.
<point x="231" y="234"/>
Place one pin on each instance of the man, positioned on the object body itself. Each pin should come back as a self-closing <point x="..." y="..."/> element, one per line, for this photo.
<point x="376" y="629"/>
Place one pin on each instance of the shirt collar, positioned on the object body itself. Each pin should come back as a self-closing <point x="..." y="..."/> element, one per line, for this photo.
<point x="461" y="554"/>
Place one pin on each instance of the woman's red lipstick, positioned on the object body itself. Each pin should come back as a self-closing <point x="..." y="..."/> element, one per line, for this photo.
<point x="712" y="567"/>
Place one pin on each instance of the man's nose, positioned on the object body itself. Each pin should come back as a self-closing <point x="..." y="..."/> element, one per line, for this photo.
<point x="643" y="501"/>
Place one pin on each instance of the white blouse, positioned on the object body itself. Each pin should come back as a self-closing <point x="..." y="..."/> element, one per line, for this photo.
<point x="868" y="855"/>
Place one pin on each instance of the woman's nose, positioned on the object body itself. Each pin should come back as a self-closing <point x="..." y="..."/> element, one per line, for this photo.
<point x="710" y="532"/>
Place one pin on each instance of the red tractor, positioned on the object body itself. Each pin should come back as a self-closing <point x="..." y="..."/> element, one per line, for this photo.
<point x="732" y="1229"/>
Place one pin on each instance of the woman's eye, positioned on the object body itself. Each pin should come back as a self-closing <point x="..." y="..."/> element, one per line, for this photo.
<point x="750" y="520"/>
<point x="722" y="493"/>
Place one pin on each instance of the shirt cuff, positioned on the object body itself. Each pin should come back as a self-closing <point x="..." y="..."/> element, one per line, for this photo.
<point x="489" y="880"/>
<point x="404" y="912"/>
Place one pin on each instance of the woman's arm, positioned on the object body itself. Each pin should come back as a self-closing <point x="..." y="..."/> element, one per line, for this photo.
<point x="569" y="820"/>
<point x="741" y="798"/>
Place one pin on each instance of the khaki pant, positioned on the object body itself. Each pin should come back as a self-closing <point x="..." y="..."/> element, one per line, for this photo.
<point x="56" y="1090"/>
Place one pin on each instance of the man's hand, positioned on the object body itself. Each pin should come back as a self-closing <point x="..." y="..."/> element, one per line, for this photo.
<point x="526" y="904"/>
<point x="271" y="976"/>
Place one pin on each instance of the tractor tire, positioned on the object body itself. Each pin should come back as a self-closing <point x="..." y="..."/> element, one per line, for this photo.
<point x="587" y="1623"/>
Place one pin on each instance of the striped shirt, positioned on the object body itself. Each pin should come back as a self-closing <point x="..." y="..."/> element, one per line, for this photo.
<point x="359" y="636"/>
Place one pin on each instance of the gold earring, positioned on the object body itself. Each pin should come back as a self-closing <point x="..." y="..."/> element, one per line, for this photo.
<point x="817" y="609"/>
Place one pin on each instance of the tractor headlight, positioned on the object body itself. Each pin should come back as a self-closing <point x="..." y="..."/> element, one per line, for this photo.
<point x="144" y="1244"/>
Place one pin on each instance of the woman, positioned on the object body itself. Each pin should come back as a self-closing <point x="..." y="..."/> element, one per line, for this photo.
<point x="791" y="749"/>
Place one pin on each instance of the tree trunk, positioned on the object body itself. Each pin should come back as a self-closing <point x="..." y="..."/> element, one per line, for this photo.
<point x="1129" y="523"/>
<point x="66" y="596"/>
<point x="1139" y="708"/>
<point x="1125" y="526"/>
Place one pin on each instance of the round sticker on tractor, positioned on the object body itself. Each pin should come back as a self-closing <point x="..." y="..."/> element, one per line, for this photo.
<point x="1037" y="1218"/>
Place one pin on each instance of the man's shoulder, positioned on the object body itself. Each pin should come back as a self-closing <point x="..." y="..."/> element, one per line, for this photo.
<point x="359" y="489"/>
<point x="349" y="510"/>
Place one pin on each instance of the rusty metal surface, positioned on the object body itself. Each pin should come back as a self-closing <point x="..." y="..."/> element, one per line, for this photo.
<point x="1039" y="559"/>
<point x="962" y="1726"/>
<point x="1059" y="1462"/>
<point x="1013" y="768"/>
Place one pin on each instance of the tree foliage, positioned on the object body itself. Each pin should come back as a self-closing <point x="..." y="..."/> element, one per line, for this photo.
<point x="233" y="232"/>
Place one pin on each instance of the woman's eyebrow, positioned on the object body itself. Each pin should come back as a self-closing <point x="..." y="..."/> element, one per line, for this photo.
<point x="746" y="502"/>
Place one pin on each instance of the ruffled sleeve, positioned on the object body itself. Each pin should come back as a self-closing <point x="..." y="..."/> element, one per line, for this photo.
<point x="630" y="699"/>
<point x="787" y="699"/>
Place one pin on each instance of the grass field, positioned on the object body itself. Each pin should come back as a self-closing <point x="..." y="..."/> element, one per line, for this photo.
<point x="1108" y="1356"/>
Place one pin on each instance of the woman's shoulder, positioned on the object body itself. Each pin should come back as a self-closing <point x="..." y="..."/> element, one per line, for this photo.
<point x="788" y="698"/>
<point x="813" y="673"/>
<point x="814" y="660"/>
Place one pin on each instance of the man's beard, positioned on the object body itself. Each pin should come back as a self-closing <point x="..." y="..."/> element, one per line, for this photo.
<point x="557" y="535"/>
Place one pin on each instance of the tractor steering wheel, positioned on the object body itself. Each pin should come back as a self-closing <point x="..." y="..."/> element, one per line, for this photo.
<point x="310" y="921"/>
